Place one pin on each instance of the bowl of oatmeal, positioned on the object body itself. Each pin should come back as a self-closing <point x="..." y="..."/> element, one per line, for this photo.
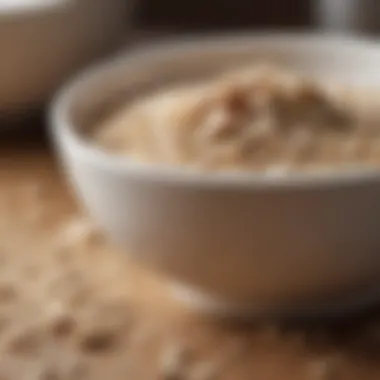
<point x="244" y="168"/>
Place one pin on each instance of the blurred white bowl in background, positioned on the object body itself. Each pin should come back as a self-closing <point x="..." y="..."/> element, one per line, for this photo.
<point x="42" y="42"/>
<point x="15" y="6"/>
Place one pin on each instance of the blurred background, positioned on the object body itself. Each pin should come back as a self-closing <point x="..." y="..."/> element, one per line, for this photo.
<point x="196" y="15"/>
<point x="41" y="50"/>
<point x="356" y="16"/>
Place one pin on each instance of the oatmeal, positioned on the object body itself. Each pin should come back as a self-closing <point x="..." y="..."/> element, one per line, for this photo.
<point x="256" y="119"/>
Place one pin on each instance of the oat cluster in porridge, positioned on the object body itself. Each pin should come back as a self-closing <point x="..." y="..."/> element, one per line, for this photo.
<point x="260" y="118"/>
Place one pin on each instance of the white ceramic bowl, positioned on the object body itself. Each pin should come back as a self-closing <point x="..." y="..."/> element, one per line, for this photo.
<point x="44" y="41"/>
<point x="236" y="241"/>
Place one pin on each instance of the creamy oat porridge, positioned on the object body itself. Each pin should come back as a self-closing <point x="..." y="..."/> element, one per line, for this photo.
<point x="261" y="118"/>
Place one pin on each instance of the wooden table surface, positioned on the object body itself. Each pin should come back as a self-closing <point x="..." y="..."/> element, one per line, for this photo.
<point x="71" y="307"/>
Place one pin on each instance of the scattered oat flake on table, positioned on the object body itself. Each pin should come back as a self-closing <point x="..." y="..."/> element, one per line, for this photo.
<point x="78" y="230"/>
<point x="172" y="362"/>
<point x="23" y="339"/>
<point x="70" y="286"/>
<point x="143" y="334"/>
<point x="59" y="320"/>
<point x="277" y="171"/>
<point x="64" y="255"/>
<point x="97" y="339"/>
<point x="324" y="369"/>
<point x="8" y="292"/>
<point x="209" y="370"/>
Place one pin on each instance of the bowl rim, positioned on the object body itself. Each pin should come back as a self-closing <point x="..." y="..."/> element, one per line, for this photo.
<point x="63" y="131"/>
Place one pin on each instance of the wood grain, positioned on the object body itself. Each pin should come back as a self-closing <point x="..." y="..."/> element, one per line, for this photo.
<point x="36" y="206"/>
